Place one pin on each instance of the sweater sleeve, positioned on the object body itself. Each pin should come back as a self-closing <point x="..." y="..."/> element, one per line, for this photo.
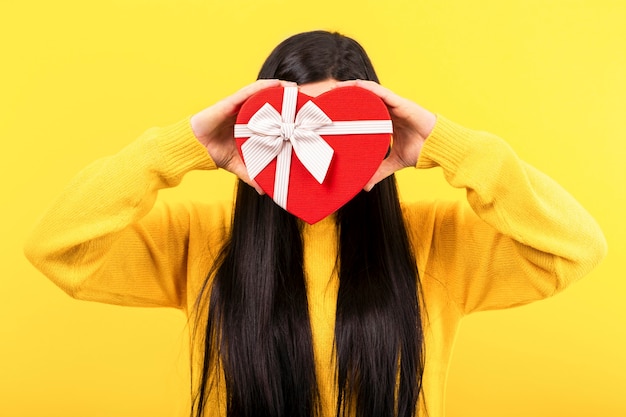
<point x="104" y="239"/>
<point x="522" y="237"/>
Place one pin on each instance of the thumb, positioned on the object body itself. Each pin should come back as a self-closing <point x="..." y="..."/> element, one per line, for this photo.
<point x="238" y="168"/>
<point x="386" y="168"/>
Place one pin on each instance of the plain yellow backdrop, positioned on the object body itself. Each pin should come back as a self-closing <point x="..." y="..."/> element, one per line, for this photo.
<point x="79" y="80"/>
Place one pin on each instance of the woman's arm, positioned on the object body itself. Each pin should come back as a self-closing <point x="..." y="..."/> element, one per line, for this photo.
<point x="105" y="239"/>
<point x="522" y="237"/>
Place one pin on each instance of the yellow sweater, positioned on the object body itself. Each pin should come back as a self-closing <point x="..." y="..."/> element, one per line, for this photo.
<point x="521" y="238"/>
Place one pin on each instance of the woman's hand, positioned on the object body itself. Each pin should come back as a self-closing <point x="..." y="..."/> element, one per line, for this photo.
<point x="214" y="127"/>
<point x="411" y="126"/>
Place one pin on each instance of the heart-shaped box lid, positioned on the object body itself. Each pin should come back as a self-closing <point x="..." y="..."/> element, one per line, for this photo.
<point x="313" y="154"/>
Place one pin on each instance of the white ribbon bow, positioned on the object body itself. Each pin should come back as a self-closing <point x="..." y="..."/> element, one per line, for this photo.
<point x="273" y="132"/>
<point x="274" y="135"/>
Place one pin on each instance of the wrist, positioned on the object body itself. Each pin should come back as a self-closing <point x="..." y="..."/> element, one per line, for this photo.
<point x="196" y="127"/>
<point x="426" y="123"/>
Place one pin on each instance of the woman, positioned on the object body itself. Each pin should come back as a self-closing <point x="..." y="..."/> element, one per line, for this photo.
<point x="354" y="315"/>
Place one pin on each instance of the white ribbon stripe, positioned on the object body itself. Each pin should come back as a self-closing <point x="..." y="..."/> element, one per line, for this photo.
<point x="274" y="135"/>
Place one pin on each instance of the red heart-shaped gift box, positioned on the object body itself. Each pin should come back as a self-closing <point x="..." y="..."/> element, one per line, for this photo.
<point x="356" y="156"/>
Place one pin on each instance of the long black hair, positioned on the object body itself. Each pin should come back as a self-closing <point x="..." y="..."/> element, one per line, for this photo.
<point x="258" y="331"/>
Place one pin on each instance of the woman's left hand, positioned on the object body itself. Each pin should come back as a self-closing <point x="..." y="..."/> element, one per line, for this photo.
<point x="411" y="126"/>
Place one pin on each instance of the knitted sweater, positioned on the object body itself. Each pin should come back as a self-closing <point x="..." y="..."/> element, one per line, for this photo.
<point x="521" y="238"/>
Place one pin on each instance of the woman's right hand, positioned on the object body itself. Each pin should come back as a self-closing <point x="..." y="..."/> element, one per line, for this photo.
<point x="214" y="128"/>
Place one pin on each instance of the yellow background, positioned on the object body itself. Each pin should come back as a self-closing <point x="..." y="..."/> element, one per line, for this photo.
<point x="80" y="79"/>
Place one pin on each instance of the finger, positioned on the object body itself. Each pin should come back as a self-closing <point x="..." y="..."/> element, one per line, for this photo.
<point x="243" y="176"/>
<point x="238" y="168"/>
<point x="386" y="168"/>
<point x="252" y="183"/>
<point x="347" y="83"/>
<point x="256" y="186"/>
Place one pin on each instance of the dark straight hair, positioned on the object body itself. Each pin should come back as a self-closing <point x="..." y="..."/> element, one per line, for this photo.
<point x="258" y="330"/>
